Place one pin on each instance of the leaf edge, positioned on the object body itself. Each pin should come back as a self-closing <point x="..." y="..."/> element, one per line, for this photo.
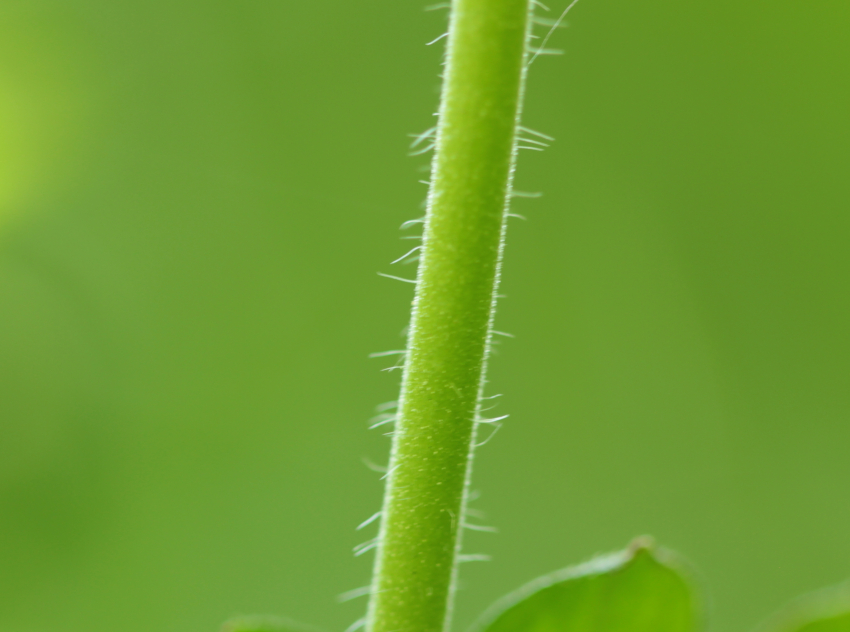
<point x="605" y="563"/>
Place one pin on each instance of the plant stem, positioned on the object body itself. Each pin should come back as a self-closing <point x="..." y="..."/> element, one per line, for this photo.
<point x="451" y="324"/>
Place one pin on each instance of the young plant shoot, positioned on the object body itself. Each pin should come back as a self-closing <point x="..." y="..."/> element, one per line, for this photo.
<point x="435" y="428"/>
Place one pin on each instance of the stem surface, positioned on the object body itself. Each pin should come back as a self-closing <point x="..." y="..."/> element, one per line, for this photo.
<point x="451" y="324"/>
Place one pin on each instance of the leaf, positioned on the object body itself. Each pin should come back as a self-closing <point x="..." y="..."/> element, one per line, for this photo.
<point x="263" y="623"/>
<point x="636" y="590"/>
<point x="827" y="610"/>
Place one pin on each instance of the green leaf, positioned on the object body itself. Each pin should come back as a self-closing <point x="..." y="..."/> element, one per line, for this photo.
<point x="824" y="611"/>
<point x="639" y="589"/>
<point x="263" y="623"/>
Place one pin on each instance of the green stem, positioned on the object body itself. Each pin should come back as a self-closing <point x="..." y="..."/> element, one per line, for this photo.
<point x="451" y="325"/>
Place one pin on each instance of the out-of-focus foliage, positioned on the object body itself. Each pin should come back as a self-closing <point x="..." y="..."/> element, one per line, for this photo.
<point x="259" y="623"/>
<point x="826" y="610"/>
<point x="837" y="623"/>
<point x="44" y="102"/>
<point x="194" y="200"/>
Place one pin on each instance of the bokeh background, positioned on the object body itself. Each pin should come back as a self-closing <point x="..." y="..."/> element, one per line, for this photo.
<point x="195" y="198"/>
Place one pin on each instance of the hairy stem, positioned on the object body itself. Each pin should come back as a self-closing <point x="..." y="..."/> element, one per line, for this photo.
<point x="451" y="325"/>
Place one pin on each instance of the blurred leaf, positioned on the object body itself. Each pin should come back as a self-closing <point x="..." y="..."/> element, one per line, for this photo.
<point x="641" y="588"/>
<point x="263" y="623"/>
<point x="824" y="611"/>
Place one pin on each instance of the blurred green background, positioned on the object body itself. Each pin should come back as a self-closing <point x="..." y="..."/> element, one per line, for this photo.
<point x="195" y="198"/>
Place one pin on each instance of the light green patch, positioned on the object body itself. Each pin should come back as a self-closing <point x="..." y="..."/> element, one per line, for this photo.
<point x="43" y="104"/>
